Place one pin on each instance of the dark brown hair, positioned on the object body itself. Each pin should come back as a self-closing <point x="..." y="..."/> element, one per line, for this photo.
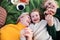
<point x="37" y="10"/>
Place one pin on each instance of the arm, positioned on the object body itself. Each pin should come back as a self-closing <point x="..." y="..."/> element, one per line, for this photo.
<point x="22" y="35"/>
<point x="52" y="31"/>
<point x="26" y="34"/>
<point x="50" y="26"/>
<point x="57" y="13"/>
<point x="8" y="33"/>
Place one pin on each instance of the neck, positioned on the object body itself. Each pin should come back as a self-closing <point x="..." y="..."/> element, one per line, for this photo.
<point x="22" y="23"/>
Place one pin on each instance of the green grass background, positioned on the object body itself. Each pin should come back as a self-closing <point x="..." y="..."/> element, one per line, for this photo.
<point x="13" y="13"/>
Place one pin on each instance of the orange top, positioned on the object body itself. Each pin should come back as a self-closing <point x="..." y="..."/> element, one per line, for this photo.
<point x="11" y="31"/>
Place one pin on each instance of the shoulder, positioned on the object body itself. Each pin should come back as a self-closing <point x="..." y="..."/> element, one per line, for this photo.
<point x="7" y="27"/>
<point x="43" y="21"/>
<point x="31" y="25"/>
<point x="56" y="19"/>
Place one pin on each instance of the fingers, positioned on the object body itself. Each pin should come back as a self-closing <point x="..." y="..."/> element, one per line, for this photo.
<point x="22" y="33"/>
<point x="28" y="32"/>
<point x="50" y="11"/>
<point x="28" y="29"/>
<point x="49" y="19"/>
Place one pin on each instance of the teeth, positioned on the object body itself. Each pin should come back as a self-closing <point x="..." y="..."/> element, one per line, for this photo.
<point x="35" y="19"/>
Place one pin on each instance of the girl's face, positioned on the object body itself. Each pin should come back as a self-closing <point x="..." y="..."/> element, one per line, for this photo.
<point x="35" y="17"/>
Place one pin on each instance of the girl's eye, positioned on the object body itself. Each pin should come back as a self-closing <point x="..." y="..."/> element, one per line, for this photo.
<point x="28" y="17"/>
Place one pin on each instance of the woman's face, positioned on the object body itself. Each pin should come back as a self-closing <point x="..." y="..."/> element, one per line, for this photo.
<point x="25" y="20"/>
<point x="51" y="5"/>
<point x="35" y="17"/>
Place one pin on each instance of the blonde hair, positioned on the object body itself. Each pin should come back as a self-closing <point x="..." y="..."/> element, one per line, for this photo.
<point x="21" y="16"/>
<point x="50" y="0"/>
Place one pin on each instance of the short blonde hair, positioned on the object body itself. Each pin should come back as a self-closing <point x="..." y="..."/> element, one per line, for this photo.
<point x="51" y="1"/>
<point x="22" y="15"/>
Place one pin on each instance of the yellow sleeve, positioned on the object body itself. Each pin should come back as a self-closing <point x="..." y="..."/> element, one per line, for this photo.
<point x="9" y="33"/>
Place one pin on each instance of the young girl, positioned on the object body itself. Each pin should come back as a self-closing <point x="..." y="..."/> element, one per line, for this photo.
<point x="39" y="26"/>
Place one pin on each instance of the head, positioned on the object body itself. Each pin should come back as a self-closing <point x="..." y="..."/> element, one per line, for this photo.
<point x="51" y="4"/>
<point x="24" y="18"/>
<point x="35" y="16"/>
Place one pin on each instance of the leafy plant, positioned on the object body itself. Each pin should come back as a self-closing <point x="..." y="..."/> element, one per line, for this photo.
<point x="13" y="13"/>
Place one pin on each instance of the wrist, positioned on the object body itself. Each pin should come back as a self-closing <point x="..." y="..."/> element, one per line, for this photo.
<point x="50" y="24"/>
<point x="29" y="38"/>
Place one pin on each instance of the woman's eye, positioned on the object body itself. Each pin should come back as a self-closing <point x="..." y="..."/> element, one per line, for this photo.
<point x="46" y="6"/>
<point x="49" y="3"/>
<point x="53" y="6"/>
<point x="32" y="16"/>
<point x="28" y="17"/>
<point x="36" y="15"/>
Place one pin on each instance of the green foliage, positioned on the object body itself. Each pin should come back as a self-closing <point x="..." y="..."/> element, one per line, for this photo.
<point x="13" y="13"/>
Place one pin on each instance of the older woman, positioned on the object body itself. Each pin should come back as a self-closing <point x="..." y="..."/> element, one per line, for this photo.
<point x="53" y="9"/>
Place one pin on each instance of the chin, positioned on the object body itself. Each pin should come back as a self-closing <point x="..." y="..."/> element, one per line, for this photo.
<point x="53" y="14"/>
<point x="36" y="21"/>
<point x="27" y="25"/>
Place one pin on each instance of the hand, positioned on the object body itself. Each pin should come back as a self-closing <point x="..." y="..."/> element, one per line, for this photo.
<point x="28" y="33"/>
<point x="49" y="19"/>
<point x="50" y="11"/>
<point x="22" y="34"/>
